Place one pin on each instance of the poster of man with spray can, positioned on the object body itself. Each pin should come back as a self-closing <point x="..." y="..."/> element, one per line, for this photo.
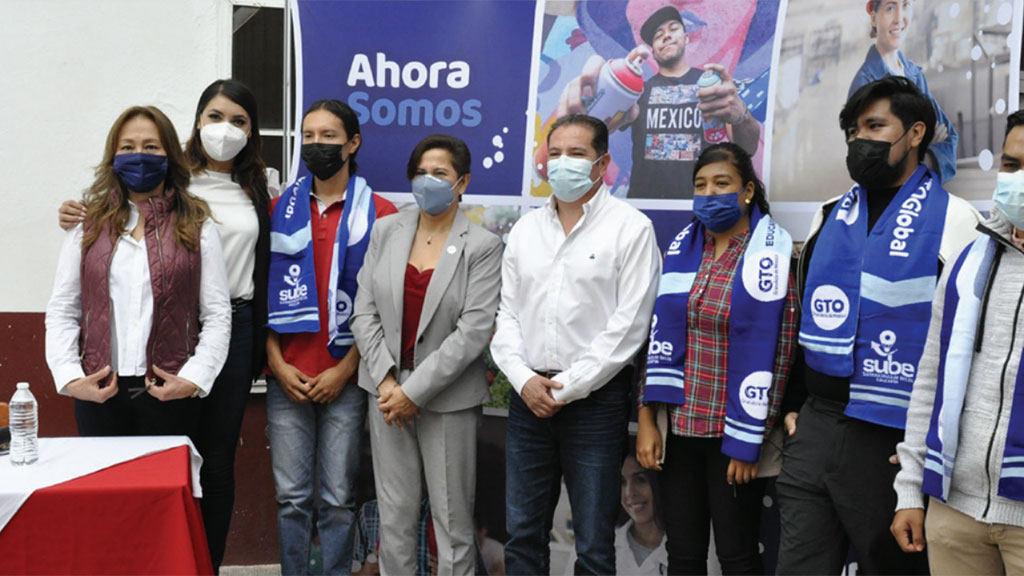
<point x="669" y="78"/>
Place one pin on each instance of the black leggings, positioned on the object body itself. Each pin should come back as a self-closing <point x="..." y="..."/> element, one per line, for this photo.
<point x="694" y="495"/>
<point x="219" y="426"/>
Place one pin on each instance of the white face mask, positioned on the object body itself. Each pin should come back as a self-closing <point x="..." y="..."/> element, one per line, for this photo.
<point x="222" y="141"/>
<point x="570" y="177"/>
<point x="1009" y="196"/>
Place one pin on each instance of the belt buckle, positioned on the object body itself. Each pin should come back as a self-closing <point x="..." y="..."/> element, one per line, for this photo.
<point x="134" y="393"/>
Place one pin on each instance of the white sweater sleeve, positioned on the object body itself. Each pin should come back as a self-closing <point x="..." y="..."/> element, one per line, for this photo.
<point x="912" y="450"/>
<point x="214" y="314"/>
<point x="63" y="312"/>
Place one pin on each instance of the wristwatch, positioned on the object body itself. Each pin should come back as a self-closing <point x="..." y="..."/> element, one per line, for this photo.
<point x="195" y="393"/>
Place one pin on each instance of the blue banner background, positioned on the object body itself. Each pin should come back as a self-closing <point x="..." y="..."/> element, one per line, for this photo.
<point x="494" y="38"/>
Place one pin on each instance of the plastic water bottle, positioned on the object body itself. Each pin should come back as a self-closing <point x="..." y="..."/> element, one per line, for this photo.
<point x="24" y="426"/>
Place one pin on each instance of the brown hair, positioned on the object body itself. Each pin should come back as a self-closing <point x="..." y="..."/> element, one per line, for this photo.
<point x="461" y="159"/>
<point x="106" y="201"/>
<point x="247" y="169"/>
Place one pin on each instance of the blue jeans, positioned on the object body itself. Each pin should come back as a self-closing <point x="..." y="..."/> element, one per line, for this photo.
<point x="325" y="436"/>
<point x="586" y="442"/>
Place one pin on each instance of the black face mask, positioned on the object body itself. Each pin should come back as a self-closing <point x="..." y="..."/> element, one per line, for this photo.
<point x="323" y="160"/>
<point x="868" y="163"/>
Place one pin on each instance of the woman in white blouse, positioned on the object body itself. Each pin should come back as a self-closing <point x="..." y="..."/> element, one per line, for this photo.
<point x="228" y="172"/>
<point x="139" y="320"/>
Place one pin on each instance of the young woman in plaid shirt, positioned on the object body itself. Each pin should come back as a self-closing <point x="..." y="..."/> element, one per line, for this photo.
<point x="718" y="408"/>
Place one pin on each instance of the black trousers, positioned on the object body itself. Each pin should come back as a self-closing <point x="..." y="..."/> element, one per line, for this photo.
<point x="695" y="496"/>
<point x="835" y="490"/>
<point x="142" y="415"/>
<point x="220" y="424"/>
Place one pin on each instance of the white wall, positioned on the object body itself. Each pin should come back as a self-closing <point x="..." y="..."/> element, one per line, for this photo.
<point x="68" y="68"/>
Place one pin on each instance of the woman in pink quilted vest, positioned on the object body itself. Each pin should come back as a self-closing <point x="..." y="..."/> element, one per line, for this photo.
<point x="139" y="320"/>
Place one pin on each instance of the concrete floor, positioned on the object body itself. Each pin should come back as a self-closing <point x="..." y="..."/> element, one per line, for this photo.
<point x="259" y="570"/>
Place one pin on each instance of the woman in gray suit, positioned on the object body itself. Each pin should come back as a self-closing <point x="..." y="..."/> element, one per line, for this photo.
<point x="428" y="293"/>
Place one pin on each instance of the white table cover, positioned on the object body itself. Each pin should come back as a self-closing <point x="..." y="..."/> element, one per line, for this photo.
<point x="63" y="459"/>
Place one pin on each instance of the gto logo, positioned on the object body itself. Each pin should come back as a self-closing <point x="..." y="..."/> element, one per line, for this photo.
<point x="754" y="394"/>
<point x="826" y="306"/>
<point x="766" y="276"/>
<point x="829" y="307"/>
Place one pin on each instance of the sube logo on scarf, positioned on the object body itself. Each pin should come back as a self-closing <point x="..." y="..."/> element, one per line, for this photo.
<point x="829" y="307"/>
<point x="657" y="347"/>
<point x="887" y="369"/>
<point x="298" y="291"/>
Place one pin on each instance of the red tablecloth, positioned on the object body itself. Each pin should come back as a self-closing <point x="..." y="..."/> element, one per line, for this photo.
<point x="134" y="518"/>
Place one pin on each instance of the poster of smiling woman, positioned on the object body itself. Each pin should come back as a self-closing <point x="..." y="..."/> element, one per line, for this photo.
<point x="963" y="55"/>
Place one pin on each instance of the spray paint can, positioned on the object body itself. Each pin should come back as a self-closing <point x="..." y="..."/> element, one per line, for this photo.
<point x="714" y="130"/>
<point x="619" y="85"/>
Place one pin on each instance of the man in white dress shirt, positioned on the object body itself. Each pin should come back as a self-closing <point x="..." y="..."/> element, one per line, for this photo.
<point x="579" y="279"/>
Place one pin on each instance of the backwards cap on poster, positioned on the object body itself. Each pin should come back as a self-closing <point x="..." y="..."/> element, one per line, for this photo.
<point x="410" y="69"/>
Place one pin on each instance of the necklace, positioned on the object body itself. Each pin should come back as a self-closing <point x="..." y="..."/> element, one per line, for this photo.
<point x="430" y="235"/>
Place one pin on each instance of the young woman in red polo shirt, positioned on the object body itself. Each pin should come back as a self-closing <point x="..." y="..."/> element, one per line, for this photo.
<point x="320" y="228"/>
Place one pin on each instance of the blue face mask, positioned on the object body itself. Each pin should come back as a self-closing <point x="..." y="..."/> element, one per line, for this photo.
<point x="718" y="212"/>
<point x="1009" y="196"/>
<point x="570" y="177"/>
<point x="434" y="195"/>
<point x="141" y="172"/>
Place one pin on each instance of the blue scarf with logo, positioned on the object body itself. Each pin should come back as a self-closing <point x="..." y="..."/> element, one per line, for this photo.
<point x="965" y="290"/>
<point x="757" y="301"/>
<point x="293" y="303"/>
<point x="868" y="297"/>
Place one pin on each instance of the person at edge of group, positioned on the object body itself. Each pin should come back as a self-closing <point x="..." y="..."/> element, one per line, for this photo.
<point x="866" y="277"/>
<point x="721" y="345"/>
<point x="579" y="279"/>
<point x="320" y="230"/>
<point x="640" y="537"/>
<point x="424" y="314"/>
<point x="890" y="22"/>
<point x="964" y="446"/>
<point x="665" y="149"/>
<point x="138" y="324"/>
<point x="366" y="549"/>
<point x="228" y="173"/>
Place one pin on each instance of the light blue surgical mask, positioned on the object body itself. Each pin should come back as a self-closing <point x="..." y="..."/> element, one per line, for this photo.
<point x="434" y="195"/>
<point x="570" y="177"/>
<point x="1009" y="196"/>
